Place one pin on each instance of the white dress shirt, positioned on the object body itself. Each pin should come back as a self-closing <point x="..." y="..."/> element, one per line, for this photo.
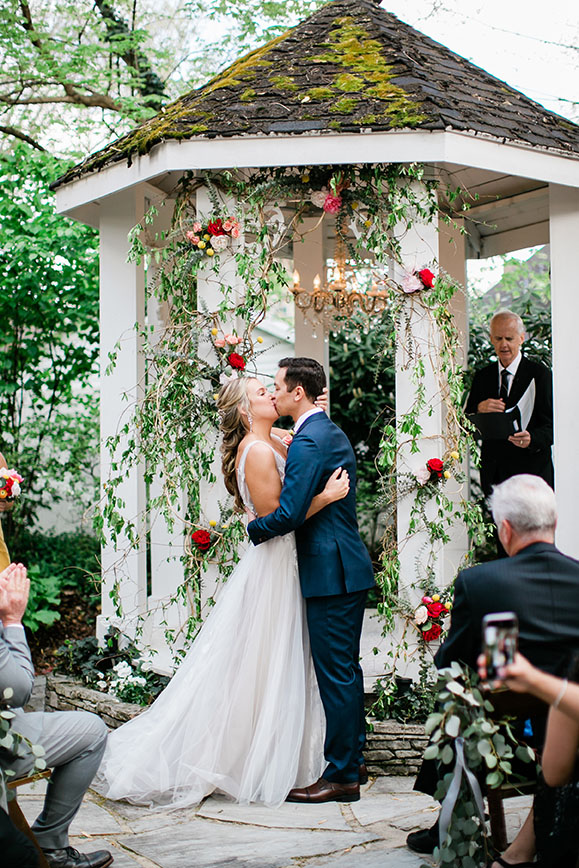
<point x="512" y="369"/>
<point x="299" y="422"/>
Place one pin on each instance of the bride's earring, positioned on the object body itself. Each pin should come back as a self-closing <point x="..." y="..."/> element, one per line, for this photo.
<point x="250" y="420"/>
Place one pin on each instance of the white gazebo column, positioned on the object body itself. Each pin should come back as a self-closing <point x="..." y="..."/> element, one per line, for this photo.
<point x="420" y="248"/>
<point x="210" y="288"/>
<point x="564" y="240"/>
<point x="122" y="306"/>
<point x="165" y="546"/>
<point x="452" y="260"/>
<point x="310" y="260"/>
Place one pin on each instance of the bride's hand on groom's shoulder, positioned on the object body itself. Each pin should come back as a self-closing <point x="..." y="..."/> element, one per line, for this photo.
<point x="322" y="400"/>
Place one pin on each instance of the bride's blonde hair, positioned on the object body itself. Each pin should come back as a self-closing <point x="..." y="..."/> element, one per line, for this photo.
<point x="232" y="398"/>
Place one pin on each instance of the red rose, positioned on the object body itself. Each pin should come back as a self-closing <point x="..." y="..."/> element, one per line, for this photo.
<point x="435" y="609"/>
<point x="202" y="539"/>
<point x="236" y="361"/>
<point x="216" y="227"/>
<point x="435" y="465"/>
<point x="433" y="633"/>
<point x="427" y="278"/>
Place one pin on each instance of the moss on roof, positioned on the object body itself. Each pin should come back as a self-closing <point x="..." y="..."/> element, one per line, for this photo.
<point x="350" y="66"/>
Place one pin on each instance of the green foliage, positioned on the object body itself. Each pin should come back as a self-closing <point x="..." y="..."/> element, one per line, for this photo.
<point x="117" y="667"/>
<point x="44" y="600"/>
<point x="489" y="747"/>
<point x="49" y="310"/>
<point x="72" y="558"/>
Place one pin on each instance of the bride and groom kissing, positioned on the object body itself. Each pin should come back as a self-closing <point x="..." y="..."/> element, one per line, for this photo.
<point x="268" y="704"/>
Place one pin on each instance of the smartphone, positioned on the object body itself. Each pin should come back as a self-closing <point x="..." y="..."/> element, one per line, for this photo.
<point x="500" y="638"/>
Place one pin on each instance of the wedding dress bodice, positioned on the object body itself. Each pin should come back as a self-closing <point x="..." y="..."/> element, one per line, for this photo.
<point x="241" y="481"/>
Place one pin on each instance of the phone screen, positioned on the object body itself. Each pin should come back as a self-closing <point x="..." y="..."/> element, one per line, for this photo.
<point x="500" y="639"/>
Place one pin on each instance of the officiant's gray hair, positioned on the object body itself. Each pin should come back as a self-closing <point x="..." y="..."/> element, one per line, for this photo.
<point x="505" y="313"/>
<point x="527" y="502"/>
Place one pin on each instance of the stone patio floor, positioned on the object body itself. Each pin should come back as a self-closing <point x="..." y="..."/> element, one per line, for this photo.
<point x="370" y="833"/>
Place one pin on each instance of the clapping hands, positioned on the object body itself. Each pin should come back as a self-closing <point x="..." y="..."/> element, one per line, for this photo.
<point x="14" y="590"/>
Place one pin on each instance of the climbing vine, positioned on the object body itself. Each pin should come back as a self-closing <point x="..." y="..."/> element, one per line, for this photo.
<point x="233" y="254"/>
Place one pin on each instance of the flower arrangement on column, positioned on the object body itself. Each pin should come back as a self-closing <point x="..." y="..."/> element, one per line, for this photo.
<point x="172" y="427"/>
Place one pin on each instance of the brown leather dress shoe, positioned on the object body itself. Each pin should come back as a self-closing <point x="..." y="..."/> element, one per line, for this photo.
<point x="362" y="774"/>
<point x="325" y="791"/>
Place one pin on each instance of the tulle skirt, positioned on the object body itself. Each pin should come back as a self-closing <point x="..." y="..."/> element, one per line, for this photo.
<point x="242" y="714"/>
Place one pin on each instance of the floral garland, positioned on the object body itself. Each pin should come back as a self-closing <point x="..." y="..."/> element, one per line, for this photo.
<point x="173" y="426"/>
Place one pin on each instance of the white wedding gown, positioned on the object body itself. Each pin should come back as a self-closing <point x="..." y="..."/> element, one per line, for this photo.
<point x="242" y="714"/>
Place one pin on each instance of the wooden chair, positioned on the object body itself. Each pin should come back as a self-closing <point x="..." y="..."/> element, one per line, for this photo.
<point x="18" y="818"/>
<point x="507" y="703"/>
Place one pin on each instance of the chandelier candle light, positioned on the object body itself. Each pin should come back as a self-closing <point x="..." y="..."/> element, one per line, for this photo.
<point x="333" y="304"/>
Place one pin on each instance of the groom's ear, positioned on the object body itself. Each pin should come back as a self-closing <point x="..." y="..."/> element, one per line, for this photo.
<point x="298" y="393"/>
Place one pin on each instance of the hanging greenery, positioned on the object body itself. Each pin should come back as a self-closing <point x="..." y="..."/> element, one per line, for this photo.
<point x="254" y="220"/>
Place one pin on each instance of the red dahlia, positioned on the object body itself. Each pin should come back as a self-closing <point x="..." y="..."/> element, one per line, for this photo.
<point x="202" y="539"/>
<point x="236" y="361"/>
<point x="427" y="278"/>
<point x="433" y="633"/>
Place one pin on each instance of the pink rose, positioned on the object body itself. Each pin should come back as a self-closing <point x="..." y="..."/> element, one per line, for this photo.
<point x="219" y="342"/>
<point x="228" y="225"/>
<point x="319" y="197"/>
<point x="410" y="282"/>
<point x="197" y="227"/>
<point x="235" y="232"/>
<point x="232" y="340"/>
<point x="190" y="236"/>
<point x="287" y="439"/>
<point x="422" y="475"/>
<point x="332" y="204"/>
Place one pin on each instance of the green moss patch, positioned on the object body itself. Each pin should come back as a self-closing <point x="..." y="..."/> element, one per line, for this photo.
<point x="345" y="106"/>
<point x="248" y="95"/>
<point x="319" y="93"/>
<point x="349" y="83"/>
<point x="283" y="82"/>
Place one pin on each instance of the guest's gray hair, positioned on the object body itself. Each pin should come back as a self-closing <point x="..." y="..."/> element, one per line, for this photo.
<point x="527" y="502"/>
<point x="505" y="313"/>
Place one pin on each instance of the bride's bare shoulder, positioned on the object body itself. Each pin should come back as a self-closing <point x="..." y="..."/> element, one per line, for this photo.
<point x="260" y="448"/>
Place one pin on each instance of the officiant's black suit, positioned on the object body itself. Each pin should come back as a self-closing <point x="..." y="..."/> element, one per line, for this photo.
<point x="500" y="459"/>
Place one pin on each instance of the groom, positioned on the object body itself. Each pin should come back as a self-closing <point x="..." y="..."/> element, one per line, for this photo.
<point x="335" y="574"/>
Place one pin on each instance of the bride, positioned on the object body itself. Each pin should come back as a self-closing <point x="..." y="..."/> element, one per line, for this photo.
<point x="242" y="714"/>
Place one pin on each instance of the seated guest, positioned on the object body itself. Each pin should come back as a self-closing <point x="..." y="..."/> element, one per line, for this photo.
<point x="74" y="741"/>
<point x="550" y="829"/>
<point x="536" y="581"/>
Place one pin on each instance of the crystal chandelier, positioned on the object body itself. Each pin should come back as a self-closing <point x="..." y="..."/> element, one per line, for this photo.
<point x="332" y="305"/>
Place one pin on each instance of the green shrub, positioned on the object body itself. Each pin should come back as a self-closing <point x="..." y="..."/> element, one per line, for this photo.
<point x="73" y="559"/>
<point x="44" y="600"/>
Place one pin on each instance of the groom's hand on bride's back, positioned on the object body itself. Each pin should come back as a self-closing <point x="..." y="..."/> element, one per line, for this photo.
<point x="337" y="486"/>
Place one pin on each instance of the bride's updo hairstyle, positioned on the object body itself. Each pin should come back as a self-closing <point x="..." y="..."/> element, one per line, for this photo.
<point x="232" y="398"/>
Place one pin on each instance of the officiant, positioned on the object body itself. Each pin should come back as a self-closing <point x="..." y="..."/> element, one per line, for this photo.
<point x="511" y="382"/>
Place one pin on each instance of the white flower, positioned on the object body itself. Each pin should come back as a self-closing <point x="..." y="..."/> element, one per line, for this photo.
<point x="422" y="475"/>
<point x="15" y="489"/>
<point x="102" y="685"/>
<point x="318" y="197"/>
<point x="421" y="615"/>
<point x="219" y="242"/>
<point x="410" y="282"/>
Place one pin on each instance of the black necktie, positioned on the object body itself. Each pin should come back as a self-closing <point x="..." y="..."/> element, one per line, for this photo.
<point x="504" y="390"/>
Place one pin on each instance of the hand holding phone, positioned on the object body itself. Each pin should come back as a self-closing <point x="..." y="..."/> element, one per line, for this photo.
<point x="500" y="639"/>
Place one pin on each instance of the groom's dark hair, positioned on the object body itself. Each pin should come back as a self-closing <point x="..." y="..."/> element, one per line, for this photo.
<point x="306" y="373"/>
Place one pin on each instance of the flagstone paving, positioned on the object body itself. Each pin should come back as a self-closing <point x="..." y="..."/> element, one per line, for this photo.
<point x="370" y="833"/>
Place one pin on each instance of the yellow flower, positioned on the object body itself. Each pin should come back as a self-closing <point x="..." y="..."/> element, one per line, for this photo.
<point x="212" y="523"/>
<point x="214" y="332"/>
<point x="305" y="178"/>
<point x="367" y="223"/>
<point x="210" y="251"/>
<point x="202" y="245"/>
<point x="224" y="526"/>
<point x="447" y="474"/>
<point x="448" y="606"/>
<point x="355" y="206"/>
<point x="207" y="237"/>
<point x="260" y="340"/>
<point x="215" y="396"/>
<point x="435" y="598"/>
<point x="454" y="454"/>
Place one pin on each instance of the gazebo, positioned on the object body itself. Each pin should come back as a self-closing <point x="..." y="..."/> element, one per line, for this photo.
<point x="349" y="85"/>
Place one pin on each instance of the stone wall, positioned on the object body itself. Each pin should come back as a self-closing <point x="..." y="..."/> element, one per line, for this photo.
<point x="395" y="748"/>
<point x="392" y="749"/>
<point x="66" y="694"/>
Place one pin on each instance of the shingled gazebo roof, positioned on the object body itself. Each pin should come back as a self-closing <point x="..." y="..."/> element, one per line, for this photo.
<point x="350" y="67"/>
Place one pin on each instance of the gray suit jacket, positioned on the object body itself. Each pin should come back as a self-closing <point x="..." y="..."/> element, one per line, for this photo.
<point x="17" y="672"/>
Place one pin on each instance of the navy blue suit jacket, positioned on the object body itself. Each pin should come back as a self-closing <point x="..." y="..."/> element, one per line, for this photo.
<point x="331" y="555"/>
